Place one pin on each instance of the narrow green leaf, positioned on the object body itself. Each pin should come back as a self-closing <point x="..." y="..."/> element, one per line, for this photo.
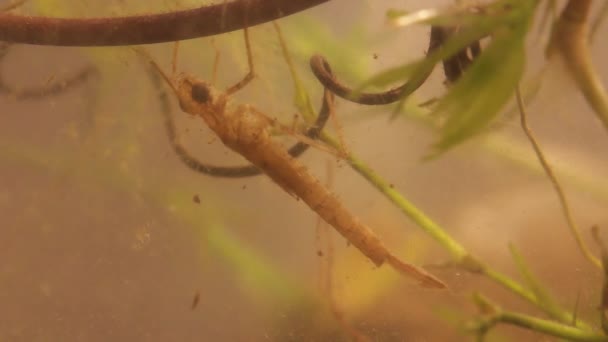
<point x="474" y="27"/>
<point x="543" y="296"/>
<point x="476" y="99"/>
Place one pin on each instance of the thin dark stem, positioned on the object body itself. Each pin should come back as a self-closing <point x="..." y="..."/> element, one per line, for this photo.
<point x="561" y="195"/>
<point x="453" y="69"/>
<point x="12" y="5"/>
<point x="147" y="29"/>
<point x="42" y="91"/>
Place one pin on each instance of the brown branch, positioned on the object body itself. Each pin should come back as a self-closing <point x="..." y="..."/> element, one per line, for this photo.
<point x="570" y="39"/>
<point x="147" y="29"/>
<point x="561" y="195"/>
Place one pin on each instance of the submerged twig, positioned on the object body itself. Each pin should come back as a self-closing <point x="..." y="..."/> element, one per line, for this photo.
<point x="147" y="29"/>
<point x="570" y="38"/>
<point x="554" y="181"/>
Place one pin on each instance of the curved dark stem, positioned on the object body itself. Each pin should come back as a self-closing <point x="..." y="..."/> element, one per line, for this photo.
<point x="321" y="68"/>
<point x="147" y="29"/>
<point x="295" y="151"/>
<point x="12" y="5"/>
<point x="314" y="131"/>
<point x="50" y="89"/>
<point x="453" y="69"/>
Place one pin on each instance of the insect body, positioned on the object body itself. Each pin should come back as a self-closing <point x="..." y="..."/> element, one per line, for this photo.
<point x="247" y="131"/>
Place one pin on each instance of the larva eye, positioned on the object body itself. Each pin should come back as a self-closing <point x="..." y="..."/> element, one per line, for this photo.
<point x="201" y="93"/>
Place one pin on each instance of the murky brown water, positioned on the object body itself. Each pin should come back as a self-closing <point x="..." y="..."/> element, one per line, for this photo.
<point x="101" y="238"/>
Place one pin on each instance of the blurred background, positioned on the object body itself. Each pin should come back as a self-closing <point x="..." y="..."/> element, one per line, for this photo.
<point x="106" y="235"/>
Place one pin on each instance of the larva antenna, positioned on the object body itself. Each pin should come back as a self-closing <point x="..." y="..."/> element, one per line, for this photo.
<point x="144" y="53"/>
<point x="174" y="58"/>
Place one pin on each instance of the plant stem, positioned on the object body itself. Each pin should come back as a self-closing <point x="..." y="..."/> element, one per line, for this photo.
<point x="493" y="315"/>
<point x="457" y="251"/>
<point x="515" y="287"/>
<point x="462" y="257"/>
<point x="549" y="327"/>
<point x="147" y="29"/>
<point x="554" y="181"/>
<point x="570" y="39"/>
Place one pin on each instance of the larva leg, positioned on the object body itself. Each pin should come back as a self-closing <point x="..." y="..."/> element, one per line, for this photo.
<point x="251" y="74"/>
<point x="216" y="62"/>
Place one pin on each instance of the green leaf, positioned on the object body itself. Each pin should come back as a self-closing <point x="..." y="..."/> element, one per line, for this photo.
<point x="543" y="296"/>
<point x="474" y="27"/>
<point x="476" y="99"/>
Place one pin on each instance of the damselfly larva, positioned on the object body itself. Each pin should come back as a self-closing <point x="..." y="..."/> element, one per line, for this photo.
<point x="247" y="131"/>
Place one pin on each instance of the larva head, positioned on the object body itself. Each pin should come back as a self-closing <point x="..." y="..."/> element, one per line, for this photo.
<point x="198" y="97"/>
<point x="195" y="97"/>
